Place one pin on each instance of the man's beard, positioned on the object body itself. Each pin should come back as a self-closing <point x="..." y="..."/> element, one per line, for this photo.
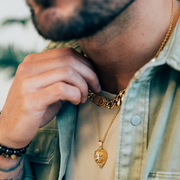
<point x="85" y="21"/>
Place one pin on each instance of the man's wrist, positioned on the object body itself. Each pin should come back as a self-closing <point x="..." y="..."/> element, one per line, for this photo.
<point x="9" y="148"/>
<point x="9" y="165"/>
<point x="11" y="168"/>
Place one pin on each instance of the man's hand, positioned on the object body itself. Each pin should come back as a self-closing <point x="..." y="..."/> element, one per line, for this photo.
<point x="43" y="82"/>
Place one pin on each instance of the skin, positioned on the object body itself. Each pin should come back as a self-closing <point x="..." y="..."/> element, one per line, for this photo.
<point x="117" y="53"/>
<point x="66" y="20"/>
<point x="44" y="81"/>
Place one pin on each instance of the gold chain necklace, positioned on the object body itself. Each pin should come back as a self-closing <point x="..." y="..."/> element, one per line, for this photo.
<point x="168" y="32"/>
<point x="103" y="102"/>
<point x="100" y="155"/>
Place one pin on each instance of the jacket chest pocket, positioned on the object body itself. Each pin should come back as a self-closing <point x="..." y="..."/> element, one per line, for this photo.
<point x="42" y="147"/>
<point x="164" y="176"/>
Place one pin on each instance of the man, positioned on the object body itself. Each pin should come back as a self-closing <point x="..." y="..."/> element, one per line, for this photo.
<point x="121" y="40"/>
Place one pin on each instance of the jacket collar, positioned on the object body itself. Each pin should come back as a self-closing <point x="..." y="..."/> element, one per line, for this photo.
<point x="171" y="52"/>
<point x="170" y="55"/>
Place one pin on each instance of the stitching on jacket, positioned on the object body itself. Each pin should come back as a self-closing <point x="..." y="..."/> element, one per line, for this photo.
<point x="165" y="175"/>
<point x="122" y="131"/>
<point x="145" y="95"/>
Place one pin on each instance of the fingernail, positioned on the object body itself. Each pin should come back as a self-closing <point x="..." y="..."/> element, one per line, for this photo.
<point x="84" y="100"/>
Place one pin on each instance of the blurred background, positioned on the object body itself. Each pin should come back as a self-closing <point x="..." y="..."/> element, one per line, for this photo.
<point x="18" y="38"/>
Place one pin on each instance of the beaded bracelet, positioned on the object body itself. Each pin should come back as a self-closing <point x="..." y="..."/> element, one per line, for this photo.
<point x="12" y="153"/>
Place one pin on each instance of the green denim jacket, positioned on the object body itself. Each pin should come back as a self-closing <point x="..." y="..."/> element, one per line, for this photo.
<point x="146" y="151"/>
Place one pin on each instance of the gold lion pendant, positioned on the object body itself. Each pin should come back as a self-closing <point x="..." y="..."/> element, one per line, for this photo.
<point x="100" y="157"/>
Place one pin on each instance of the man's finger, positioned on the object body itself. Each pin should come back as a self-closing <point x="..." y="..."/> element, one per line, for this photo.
<point x="52" y="94"/>
<point x="63" y="74"/>
<point x="40" y="67"/>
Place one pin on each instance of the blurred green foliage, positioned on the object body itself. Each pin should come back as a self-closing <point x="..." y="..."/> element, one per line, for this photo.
<point x="23" y="21"/>
<point x="12" y="57"/>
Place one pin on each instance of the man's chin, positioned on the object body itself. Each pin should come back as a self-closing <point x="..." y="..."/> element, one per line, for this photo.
<point x="84" y="22"/>
<point x="52" y="25"/>
<point x="46" y="23"/>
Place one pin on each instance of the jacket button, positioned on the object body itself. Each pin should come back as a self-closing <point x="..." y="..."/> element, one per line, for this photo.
<point x="136" y="120"/>
<point x="36" y="151"/>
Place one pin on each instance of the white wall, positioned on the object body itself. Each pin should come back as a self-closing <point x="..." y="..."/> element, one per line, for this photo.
<point x="24" y="37"/>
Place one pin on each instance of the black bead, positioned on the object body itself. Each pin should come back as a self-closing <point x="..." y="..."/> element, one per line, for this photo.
<point x="18" y="153"/>
<point x="10" y="152"/>
<point x="2" y="150"/>
<point x="27" y="146"/>
<point x="23" y="150"/>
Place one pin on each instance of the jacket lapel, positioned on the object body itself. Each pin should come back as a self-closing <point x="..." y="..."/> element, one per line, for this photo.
<point x="66" y="120"/>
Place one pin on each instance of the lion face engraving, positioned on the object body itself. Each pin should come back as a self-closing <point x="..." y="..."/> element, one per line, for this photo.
<point x="100" y="157"/>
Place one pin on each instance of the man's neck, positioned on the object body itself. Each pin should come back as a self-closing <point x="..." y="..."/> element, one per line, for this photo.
<point x="129" y="42"/>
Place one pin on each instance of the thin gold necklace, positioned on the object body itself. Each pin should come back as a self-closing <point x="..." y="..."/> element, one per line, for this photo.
<point x="168" y="32"/>
<point x="100" y="155"/>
